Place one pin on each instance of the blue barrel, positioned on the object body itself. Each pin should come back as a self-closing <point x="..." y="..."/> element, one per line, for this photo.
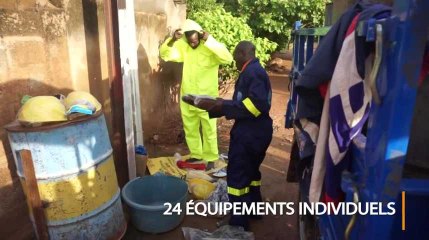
<point x="76" y="177"/>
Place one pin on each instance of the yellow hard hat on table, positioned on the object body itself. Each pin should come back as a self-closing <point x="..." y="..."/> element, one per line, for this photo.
<point x="42" y="109"/>
<point x="82" y="98"/>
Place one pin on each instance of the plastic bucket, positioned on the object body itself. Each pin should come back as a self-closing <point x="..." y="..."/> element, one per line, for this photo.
<point x="146" y="198"/>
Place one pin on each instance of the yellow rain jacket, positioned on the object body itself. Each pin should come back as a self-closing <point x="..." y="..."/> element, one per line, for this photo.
<point x="200" y="76"/>
<point x="200" y="68"/>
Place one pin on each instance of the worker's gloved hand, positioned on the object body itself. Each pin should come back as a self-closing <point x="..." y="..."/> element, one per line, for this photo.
<point x="189" y="99"/>
<point x="204" y="35"/>
<point x="177" y="34"/>
<point x="210" y="105"/>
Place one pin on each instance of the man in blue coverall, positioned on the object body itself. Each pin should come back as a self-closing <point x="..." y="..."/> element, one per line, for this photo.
<point x="252" y="131"/>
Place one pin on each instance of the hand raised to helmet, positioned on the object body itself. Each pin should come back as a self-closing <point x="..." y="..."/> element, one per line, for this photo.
<point x="177" y="34"/>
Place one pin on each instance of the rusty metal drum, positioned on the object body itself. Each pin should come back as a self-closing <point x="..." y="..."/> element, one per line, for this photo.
<point x="76" y="177"/>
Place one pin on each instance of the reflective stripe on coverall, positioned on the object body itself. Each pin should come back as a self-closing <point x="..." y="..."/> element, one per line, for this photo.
<point x="250" y="136"/>
<point x="200" y="77"/>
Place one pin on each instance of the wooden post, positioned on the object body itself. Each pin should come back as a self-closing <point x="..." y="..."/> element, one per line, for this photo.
<point x="116" y="90"/>
<point x="33" y="195"/>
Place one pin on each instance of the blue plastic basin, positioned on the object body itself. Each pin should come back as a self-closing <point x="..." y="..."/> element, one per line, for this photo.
<point x="146" y="197"/>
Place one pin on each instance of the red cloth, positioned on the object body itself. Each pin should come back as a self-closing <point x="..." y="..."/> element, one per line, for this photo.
<point x="326" y="199"/>
<point x="245" y="65"/>
<point x="197" y="166"/>
<point x="425" y="68"/>
<point x="352" y="25"/>
<point x="323" y="89"/>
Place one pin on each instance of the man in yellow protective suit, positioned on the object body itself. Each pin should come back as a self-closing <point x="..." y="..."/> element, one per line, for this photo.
<point x="201" y="55"/>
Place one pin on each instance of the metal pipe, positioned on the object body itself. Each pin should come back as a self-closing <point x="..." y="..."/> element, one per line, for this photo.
<point x="377" y="63"/>
<point x="353" y="220"/>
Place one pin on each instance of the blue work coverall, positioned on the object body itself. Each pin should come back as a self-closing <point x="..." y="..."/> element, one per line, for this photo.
<point x="250" y="136"/>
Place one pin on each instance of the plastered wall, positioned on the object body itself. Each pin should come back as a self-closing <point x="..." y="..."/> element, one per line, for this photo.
<point x="56" y="46"/>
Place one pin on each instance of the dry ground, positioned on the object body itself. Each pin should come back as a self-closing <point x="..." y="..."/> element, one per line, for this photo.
<point x="274" y="185"/>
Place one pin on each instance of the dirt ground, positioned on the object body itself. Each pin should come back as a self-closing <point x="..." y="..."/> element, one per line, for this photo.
<point x="274" y="185"/>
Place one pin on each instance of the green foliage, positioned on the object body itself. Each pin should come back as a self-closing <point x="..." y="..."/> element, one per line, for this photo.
<point x="193" y="6"/>
<point x="274" y="19"/>
<point x="231" y="30"/>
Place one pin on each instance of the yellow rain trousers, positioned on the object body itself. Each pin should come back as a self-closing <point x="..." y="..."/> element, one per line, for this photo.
<point x="200" y="77"/>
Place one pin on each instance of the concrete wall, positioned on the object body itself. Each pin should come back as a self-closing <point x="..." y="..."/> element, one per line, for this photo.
<point x="46" y="47"/>
<point x="159" y="81"/>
